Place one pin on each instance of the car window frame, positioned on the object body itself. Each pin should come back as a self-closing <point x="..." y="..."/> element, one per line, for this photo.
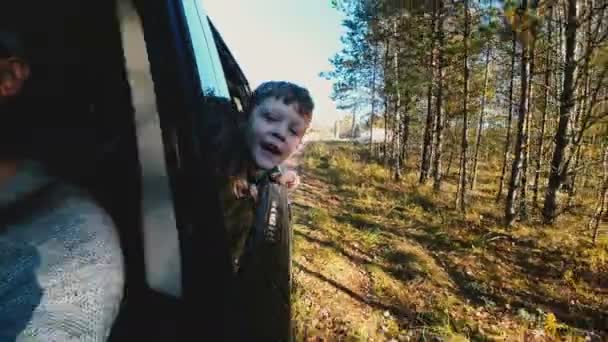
<point x="206" y="56"/>
<point x="206" y="264"/>
<point x="242" y="93"/>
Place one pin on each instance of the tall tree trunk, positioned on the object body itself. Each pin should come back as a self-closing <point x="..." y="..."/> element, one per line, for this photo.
<point x="505" y="160"/>
<point x="373" y="99"/>
<point x="557" y="171"/>
<point x="385" y="153"/>
<point x="574" y="149"/>
<point x="427" y="147"/>
<point x="588" y="170"/>
<point x="582" y="107"/>
<point x="386" y="128"/>
<point x="427" y="141"/>
<point x="462" y="182"/>
<point x="481" y="114"/>
<point x="354" y="125"/>
<point x="543" y="120"/>
<point x="397" y="156"/>
<point x="559" y="75"/>
<point x="450" y="159"/>
<point x="523" y="199"/>
<point x="516" y="167"/>
<point x="405" y="134"/>
<point x="602" y="199"/>
<point x="398" y="108"/>
<point x="438" y="104"/>
<point x="394" y="128"/>
<point x="573" y="175"/>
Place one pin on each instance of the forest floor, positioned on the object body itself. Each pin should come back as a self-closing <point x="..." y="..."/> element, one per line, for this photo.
<point x="378" y="260"/>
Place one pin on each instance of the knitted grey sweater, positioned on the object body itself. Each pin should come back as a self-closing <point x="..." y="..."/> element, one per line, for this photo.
<point x="61" y="267"/>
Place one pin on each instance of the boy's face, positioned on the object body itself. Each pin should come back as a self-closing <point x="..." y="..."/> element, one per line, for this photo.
<point x="13" y="74"/>
<point x="274" y="132"/>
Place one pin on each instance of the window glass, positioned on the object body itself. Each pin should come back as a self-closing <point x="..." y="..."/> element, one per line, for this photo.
<point x="207" y="60"/>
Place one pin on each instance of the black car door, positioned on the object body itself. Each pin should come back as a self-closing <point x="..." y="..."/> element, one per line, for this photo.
<point x="186" y="70"/>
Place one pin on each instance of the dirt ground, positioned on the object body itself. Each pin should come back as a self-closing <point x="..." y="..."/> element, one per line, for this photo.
<point x="377" y="260"/>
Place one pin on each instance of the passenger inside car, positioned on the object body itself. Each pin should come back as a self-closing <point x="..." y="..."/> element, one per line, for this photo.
<point x="61" y="264"/>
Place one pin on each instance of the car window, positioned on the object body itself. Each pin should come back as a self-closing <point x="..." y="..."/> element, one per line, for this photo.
<point x="237" y="83"/>
<point x="160" y="235"/>
<point x="207" y="60"/>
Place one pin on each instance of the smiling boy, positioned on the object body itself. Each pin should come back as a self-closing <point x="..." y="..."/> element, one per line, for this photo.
<point x="277" y="123"/>
<point x="279" y="117"/>
<point x="253" y="147"/>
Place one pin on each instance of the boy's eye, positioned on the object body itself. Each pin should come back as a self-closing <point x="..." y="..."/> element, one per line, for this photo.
<point x="293" y="131"/>
<point x="268" y="117"/>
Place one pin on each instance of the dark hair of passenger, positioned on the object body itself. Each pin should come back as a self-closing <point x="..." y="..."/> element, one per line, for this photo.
<point x="11" y="44"/>
<point x="286" y="91"/>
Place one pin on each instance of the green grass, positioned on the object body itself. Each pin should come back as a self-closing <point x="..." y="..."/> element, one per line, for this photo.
<point x="382" y="260"/>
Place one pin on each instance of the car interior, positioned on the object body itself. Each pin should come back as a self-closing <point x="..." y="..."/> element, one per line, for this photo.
<point x="95" y="123"/>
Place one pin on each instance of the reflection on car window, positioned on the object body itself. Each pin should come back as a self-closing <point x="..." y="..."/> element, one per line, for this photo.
<point x="207" y="60"/>
<point x="237" y="83"/>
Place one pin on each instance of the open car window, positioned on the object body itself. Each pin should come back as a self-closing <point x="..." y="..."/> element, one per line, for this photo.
<point x="208" y="63"/>
<point x="238" y="86"/>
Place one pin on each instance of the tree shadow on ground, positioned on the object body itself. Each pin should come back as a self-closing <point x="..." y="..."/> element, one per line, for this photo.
<point x="456" y="238"/>
<point x="357" y="220"/>
<point x="401" y="265"/>
<point x="422" y="201"/>
<point x="397" y="311"/>
<point x="525" y="261"/>
<point x="479" y="292"/>
<point x="525" y="258"/>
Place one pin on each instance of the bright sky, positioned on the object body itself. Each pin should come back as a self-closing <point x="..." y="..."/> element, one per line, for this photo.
<point x="288" y="40"/>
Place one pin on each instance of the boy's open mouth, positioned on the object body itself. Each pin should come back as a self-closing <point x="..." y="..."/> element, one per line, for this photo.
<point x="271" y="148"/>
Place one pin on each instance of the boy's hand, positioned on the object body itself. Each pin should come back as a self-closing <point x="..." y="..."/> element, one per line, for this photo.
<point x="290" y="179"/>
<point x="242" y="190"/>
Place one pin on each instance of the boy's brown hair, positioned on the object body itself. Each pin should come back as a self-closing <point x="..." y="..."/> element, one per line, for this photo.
<point x="289" y="92"/>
